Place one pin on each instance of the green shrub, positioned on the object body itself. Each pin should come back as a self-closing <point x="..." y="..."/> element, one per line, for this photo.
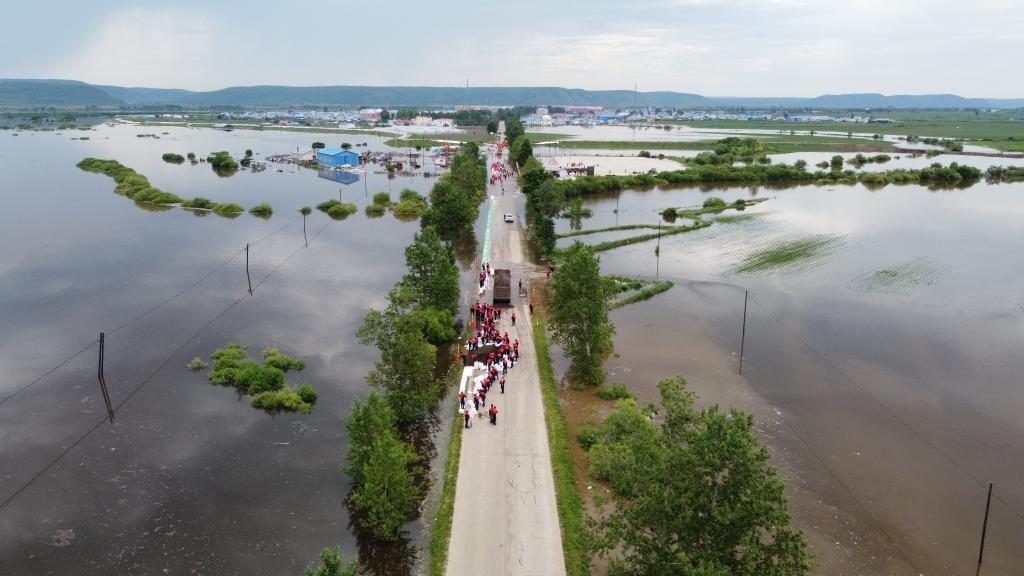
<point x="644" y="154"/>
<point x="382" y="198"/>
<point x="341" y="211"/>
<point x="228" y="208"/>
<point x="613" y="391"/>
<point x="714" y="202"/>
<point x="262" y="210"/>
<point x="199" y="202"/>
<point x="325" y="206"/>
<point x="587" y="435"/>
<point x="307" y="393"/>
<point x="305" y="210"/>
<point x="375" y="210"/>
<point x="196" y="364"/>
<point x="669" y="214"/>
<point x="173" y="158"/>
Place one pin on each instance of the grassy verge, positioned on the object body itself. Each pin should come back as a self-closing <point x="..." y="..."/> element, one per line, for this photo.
<point x="570" y="505"/>
<point x="645" y="293"/>
<point x="411" y="142"/>
<point x="441" y="533"/>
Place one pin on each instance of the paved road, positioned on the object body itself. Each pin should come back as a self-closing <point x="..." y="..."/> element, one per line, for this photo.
<point x="505" y="519"/>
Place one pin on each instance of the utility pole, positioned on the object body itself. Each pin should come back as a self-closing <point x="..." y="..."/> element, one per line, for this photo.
<point x="984" y="528"/>
<point x="247" y="278"/>
<point x="103" y="382"/>
<point x="743" y="334"/>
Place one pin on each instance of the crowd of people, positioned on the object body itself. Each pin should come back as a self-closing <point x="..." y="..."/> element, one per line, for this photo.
<point x="499" y="173"/>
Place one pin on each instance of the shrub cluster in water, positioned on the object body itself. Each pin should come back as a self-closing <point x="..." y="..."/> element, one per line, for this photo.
<point x="137" y="187"/>
<point x="129" y="182"/>
<point x="173" y="158"/>
<point x="410" y="204"/>
<point x="337" y="209"/>
<point x="233" y="367"/>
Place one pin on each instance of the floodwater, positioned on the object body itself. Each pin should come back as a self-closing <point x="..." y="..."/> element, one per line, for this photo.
<point x="884" y="370"/>
<point x="683" y="133"/>
<point x="190" y="478"/>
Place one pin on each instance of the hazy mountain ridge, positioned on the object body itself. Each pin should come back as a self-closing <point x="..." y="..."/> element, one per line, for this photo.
<point x="30" y="92"/>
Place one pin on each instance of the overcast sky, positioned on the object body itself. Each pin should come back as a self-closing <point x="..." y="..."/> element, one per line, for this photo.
<point x="709" y="47"/>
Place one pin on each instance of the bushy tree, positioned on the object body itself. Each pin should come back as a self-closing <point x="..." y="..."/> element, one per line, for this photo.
<point x="520" y="150"/>
<point x="405" y="371"/>
<point x="433" y="276"/>
<point x="695" y="497"/>
<point x="579" y="313"/>
<point x="513" y="129"/>
<point x="837" y="163"/>
<point x="381" y="467"/>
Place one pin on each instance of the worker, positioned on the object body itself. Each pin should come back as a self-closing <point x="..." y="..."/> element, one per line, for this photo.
<point x="494" y="415"/>
<point x="531" y="307"/>
<point x="462" y="400"/>
<point x="513" y="318"/>
<point x="502" y="382"/>
<point x="465" y="414"/>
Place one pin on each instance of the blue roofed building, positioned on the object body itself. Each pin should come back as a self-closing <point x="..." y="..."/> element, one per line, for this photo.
<point x="337" y="157"/>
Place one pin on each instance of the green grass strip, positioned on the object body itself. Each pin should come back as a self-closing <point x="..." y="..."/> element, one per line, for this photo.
<point x="570" y="505"/>
<point x="645" y="293"/>
<point x="441" y="533"/>
<point x="613" y="229"/>
<point x="611" y="244"/>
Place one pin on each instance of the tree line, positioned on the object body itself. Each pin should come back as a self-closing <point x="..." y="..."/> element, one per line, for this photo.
<point x="407" y="382"/>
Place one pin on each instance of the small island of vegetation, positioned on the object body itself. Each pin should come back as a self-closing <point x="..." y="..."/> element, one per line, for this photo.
<point x="233" y="367"/>
<point x="337" y="209"/>
<point x="172" y="158"/>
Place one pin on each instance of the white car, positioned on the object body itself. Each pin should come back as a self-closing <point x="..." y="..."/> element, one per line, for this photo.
<point x="509" y="218"/>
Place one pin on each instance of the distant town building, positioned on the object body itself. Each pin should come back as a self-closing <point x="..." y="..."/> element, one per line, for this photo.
<point x="337" y="157"/>
<point x="584" y="109"/>
<point x="422" y="120"/>
<point x="370" y="114"/>
<point x="542" y="111"/>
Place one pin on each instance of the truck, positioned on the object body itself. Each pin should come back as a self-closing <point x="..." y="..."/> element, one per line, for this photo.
<point x="502" y="287"/>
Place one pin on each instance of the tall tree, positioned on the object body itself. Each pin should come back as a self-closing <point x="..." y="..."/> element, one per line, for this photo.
<point x="513" y="129"/>
<point x="695" y="498"/>
<point x="579" y="313"/>
<point x="433" y="276"/>
<point x="388" y="495"/>
<point x="405" y="371"/>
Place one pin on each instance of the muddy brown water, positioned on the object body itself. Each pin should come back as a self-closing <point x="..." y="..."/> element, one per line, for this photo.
<point x="190" y="478"/>
<point x="884" y="373"/>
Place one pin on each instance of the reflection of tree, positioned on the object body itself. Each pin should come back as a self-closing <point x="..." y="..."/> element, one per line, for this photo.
<point x="381" y="558"/>
<point x="576" y="212"/>
<point x="153" y="207"/>
<point x="465" y="247"/>
<point x="224" y="171"/>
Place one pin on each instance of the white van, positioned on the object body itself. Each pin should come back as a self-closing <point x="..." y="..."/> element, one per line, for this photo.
<point x="509" y="218"/>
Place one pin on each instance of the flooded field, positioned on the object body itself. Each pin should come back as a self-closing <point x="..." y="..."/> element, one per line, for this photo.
<point x="190" y="478"/>
<point x="881" y="355"/>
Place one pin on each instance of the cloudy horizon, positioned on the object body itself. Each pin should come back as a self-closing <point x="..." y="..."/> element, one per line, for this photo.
<point x="747" y="48"/>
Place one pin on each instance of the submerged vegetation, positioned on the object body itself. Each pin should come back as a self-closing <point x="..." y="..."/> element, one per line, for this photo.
<point x="173" y="158"/>
<point x="222" y="163"/>
<point x="410" y="205"/>
<point x="792" y="253"/>
<point x="635" y="290"/>
<point x="233" y="367"/>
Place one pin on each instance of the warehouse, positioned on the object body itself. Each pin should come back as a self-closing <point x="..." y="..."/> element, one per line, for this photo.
<point x="336" y="157"/>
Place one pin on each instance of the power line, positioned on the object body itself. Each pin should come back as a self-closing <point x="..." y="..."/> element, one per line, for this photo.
<point x="142" y="315"/>
<point x="152" y="374"/>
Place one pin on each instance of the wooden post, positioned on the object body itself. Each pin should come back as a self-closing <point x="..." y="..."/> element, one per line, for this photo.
<point x="248" y="279"/>
<point x="103" y="381"/>
<point x="984" y="528"/>
<point x="743" y="334"/>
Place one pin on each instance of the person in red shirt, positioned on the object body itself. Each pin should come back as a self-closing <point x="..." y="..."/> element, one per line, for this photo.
<point x="465" y="414"/>
<point x="494" y="415"/>
<point x="462" y="400"/>
<point x="502" y="382"/>
<point x="513" y="318"/>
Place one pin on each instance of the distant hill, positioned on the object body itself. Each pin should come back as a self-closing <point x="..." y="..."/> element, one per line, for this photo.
<point x="31" y="93"/>
<point x="23" y="93"/>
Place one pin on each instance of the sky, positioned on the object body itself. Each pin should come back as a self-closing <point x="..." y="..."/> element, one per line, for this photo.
<point x="708" y="47"/>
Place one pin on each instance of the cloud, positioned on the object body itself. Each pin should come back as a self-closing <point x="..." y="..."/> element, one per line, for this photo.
<point x="145" y="47"/>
